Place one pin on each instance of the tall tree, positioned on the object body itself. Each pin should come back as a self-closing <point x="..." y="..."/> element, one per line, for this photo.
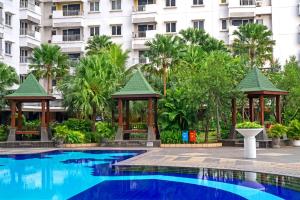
<point x="254" y="41"/>
<point x="49" y="62"/>
<point x="97" y="43"/>
<point x="8" y="77"/>
<point x="163" y="53"/>
<point x="95" y="79"/>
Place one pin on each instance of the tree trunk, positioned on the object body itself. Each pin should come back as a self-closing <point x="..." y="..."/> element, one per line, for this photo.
<point x="94" y="114"/>
<point x="48" y="79"/>
<point x="218" y="123"/>
<point x="206" y="130"/>
<point x="165" y="78"/>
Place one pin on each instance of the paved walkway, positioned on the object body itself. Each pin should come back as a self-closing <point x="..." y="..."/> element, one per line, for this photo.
<point x="284" y="161"/>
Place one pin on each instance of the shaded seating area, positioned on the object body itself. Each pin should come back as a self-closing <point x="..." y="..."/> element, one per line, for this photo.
<point x="136" y="89"/>
<point x="30" y="91"/>
<point x="257" y="86"/>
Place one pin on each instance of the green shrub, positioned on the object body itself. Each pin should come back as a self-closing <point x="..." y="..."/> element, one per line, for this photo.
<point x="248" y="125"/>
<point x="293" y="131"/>
<point x="171" y="137"/>
<point x="3" y="133"/>
<point x="32" y="125"/>
<point x="78" y="124"/>
<point x="62" y="133"/>
<point x="277" y="131"/>
<point x="104" y="130"/>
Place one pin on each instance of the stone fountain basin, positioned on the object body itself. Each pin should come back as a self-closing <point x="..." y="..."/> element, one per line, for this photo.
<point x="249" y="132"/>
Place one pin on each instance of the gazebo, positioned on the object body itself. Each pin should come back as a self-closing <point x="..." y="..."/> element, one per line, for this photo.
<point x="256" y="85"/>
<point x="137" y="89"/>
<point x="29" y="91"/>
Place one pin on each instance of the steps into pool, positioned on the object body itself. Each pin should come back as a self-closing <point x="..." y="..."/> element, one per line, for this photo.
<point x="131" y="143"/>
<point x="29" y="144"/>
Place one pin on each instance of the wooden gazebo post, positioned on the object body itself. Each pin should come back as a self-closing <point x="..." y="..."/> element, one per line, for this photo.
<point x="12" y="130"/>
<point x="278" y="109"/>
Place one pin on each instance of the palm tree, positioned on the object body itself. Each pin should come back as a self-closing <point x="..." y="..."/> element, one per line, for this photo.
<point x="164" y="51"/>
<point x="201" y="38"/>
<point x="255" y="42"/>
<point x="95" y="79"/>
<point x="96" y="43"/>
<point x="49" y="62"/>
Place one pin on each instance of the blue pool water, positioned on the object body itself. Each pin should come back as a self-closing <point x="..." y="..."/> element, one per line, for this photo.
<point x="91" y="175"/>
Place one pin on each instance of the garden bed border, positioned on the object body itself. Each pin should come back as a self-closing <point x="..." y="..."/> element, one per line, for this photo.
<point x="202" y="145"/>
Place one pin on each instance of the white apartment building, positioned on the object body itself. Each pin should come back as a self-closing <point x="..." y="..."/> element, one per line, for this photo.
<point x="25" y="24"/>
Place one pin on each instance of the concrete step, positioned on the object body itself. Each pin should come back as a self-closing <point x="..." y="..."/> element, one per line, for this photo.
<point x="28" y="144"/>
<point x="131" y="143"/>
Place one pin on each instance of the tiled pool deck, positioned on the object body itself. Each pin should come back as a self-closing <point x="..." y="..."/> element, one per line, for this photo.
<point x="284" y="161"/>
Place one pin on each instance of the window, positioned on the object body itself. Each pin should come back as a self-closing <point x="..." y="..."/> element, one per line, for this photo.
<point x="142" y="57"/>
<point x="22" y="77"/>
<point x="170" y="3"/>
<point x="8" y="17"/>
<point x="116" y="30"/>
<point x="94" y="6"/>
<point x="94" y="30"/>
<point x="171" y="27"/>
<point x="71" y="10"/>
<point x="198" y="24"/>
<point x="260" y="21"/>
<point x="8" y="46"/>
<point x="116" y="4"/>
<point x="239" y="22"/>
<point x="53" y="32"/>
<point x="247" y="2"/>
<point x="23" y="3"/>
<point x="223" y="1"/>
<point x="224" y="24"/>
<point x="197" y="2"/>
<point x="23" y="56"/>
<point x="71" y="35"/>
<point x="53" y="8"/>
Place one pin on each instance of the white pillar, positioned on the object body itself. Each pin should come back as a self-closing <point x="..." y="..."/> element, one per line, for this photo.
<point x="250" y="147"/>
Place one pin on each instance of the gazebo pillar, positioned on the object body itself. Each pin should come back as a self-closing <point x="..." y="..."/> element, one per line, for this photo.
<point x="127" y="114"/>
<point x="233" y="118"/>
<point x="119" y="135"/>
<point x="44" y="131"/>
<point x="278" y="109"/>
<point x="262" y="110"/>
<point x="251" y="109"/>
<point x="12" y="130"/>
<point x="151" y="132"/>
<point x="48" y="113"/>
<point x="19" y="106"/>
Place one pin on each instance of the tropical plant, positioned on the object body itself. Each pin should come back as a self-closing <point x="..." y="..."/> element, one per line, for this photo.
<point x="97" y="43"/>
<point x="254" y="41"/>
<point x="293" y="131"/>
<point x="163" y="53"/>
<point x="83" y="125"/>
<point x="32" y="125"/>
<point x="49" y="62"/>
<point x="171" y="137"/>
<point x="248" y="125"/>
<point x="195" y="36"/>
<point x="95" y="79"/>
<point x="277" y="131"/>
<point x="3" y="132"/>
<point x="104" y="131"/>
<point x="62" y="133"/>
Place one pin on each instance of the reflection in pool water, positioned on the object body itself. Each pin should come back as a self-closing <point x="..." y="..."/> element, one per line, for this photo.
<point x="91" y="175"/>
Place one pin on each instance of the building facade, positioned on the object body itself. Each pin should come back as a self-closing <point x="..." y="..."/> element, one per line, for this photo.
<point x="25" y="24"/>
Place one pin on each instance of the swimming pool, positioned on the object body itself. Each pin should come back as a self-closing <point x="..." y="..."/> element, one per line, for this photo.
<point x="91" y="175"/>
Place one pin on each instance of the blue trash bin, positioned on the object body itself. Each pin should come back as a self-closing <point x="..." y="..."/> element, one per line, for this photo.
<point x="185" y="136"/>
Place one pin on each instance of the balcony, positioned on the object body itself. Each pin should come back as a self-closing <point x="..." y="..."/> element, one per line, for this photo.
<point x="24" y="64"/>
<point x="69" y="43"/>
<point x="29" y="38"/>
<point x="67" y="18"/>
<point x="144" y="13"/>
<point x="140" y="37"/>
<point x="29" y="11"/>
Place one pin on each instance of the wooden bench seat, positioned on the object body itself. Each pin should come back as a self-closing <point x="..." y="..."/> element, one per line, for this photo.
<point x="28" y="132"/>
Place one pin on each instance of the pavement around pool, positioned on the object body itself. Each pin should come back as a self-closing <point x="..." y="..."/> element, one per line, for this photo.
<point x="283" y="161"/>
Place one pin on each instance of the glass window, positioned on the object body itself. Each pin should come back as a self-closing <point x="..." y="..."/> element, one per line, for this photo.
<point x="224" y="24"/>
<point x="197" y="2"/>
<point x="116" y="30"/>
<point x="170" y="3"/>
<point x="8" y="17"/>
<point x="223" y="1"/>
<point x="116" y="4"/>
<point x="94" y="6"/>
<point x="199" y="24"/>
<point x="240" y="22"/>
<point x="8" y="47"/>
<point x="247" y="2"/>
<point x="260" y="21"/>
<point x="94" y="30"/>
<point x="171" y="27"/>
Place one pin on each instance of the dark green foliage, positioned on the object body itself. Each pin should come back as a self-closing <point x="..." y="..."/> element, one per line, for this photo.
<point x="83" y="125"/>
<point x="3" y="133"/>
<point x="104" y="131"/>
<point x="171" y="137"/>
<point x="294" y="130"/>
<point x="68" y="136"/>
<point x="32" y="125"/>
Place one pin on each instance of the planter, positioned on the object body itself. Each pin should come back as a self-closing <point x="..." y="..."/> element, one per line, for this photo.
<point x="276" y="142"/>
<point x="249" y="141"/>
<point x="296" y="143"/>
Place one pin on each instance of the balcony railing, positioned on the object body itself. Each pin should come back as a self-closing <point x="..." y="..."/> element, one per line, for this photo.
<point x="140" y="34"/>
<point x="247" y="2"/>
<point x="24" y="59"/>
<point x="25" y="31"/>
<point x="76" y="37"/>
<point x="71" y="12"/>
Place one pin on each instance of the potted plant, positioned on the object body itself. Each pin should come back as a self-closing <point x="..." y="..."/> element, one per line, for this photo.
<point x="293" y="132"/>
<point x="276" y="131"/>
<point x="249" y="130"/>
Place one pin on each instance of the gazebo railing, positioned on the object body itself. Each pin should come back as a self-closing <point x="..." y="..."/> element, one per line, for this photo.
<point x="136" y="126"/>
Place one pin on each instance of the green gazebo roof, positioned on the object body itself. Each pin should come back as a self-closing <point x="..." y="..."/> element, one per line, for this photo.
<point x="137" y="86"/>
<point x="255" y="81"/>
<point x="29" y="88"/>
